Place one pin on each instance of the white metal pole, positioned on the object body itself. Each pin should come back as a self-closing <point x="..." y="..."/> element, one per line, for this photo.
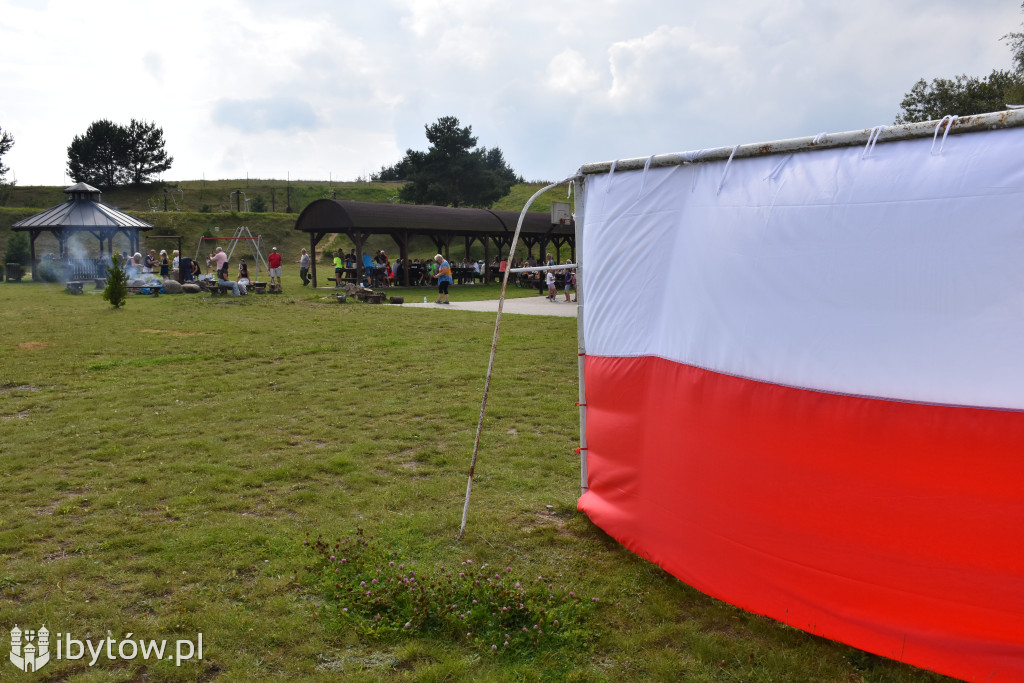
<point x="1011" y="118"/>
<point x="581" y="345"/>
<point x="494" y="347"/>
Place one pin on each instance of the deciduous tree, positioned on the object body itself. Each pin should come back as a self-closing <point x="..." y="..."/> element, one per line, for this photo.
<point x="962" y="95"/>
<point x="965" y="95"/>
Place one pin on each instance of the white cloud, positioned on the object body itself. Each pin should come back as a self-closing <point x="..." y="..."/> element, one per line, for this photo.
<point x="154" y="65"/>
<point x="266" y="114"/>
<point x="569" y="73"/>
<point x="320" y="86"/>
<point x="675" y="63"/>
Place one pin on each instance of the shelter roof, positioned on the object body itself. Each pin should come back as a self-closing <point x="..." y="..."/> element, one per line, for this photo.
<point x="337" y="215"/>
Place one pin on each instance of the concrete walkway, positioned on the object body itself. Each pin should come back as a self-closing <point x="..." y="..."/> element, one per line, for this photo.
<point x="530" y="305"/>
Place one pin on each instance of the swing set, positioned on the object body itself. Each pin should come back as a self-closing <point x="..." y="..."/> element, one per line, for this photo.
<point x="242" y="234"/>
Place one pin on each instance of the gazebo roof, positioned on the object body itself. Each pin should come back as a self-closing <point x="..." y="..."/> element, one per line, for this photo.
<point x="84" y="210"/>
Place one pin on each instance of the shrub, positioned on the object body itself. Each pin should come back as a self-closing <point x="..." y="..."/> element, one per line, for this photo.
<point x="17" y="249"/>
<point x="116" y="291"/>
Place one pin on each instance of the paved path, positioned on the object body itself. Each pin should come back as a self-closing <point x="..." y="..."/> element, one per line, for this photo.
<point x="530" y="305"/>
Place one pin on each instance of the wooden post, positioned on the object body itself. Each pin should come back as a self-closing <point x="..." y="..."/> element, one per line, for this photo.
<point x="401" y="238"/>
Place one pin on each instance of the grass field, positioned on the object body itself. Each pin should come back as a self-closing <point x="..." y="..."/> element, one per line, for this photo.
<point x="164" y="464"/>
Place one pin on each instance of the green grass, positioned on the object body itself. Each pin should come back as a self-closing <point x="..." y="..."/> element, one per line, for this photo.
<point x="163" y="464"/>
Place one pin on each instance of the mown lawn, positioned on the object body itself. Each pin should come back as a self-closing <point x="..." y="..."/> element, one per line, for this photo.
<point x="162" y="466"/>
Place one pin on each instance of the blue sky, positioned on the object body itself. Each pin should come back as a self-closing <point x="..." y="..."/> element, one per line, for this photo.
<point x="317" y="89"/>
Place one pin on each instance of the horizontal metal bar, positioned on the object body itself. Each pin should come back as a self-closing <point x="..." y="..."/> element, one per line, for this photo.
<point x="1011" y="118"/>
<point x="534" y="269"/>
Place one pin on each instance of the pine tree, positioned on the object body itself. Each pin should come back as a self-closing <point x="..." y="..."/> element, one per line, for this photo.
<point x="116" y="291"/>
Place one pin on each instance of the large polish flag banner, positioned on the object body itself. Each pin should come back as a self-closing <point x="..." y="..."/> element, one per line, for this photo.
<point x="804" y="380"/>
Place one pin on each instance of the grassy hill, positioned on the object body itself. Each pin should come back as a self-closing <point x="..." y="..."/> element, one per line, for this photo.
<point x="192" y="208"/>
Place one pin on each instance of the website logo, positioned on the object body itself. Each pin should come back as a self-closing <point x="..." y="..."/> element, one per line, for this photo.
<point x="30" y="650"/>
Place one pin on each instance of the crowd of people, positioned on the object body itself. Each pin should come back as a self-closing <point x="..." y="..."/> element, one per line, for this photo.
<point x="378" y="271"/>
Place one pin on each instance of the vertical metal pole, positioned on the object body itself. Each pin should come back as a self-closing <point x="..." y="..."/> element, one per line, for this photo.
<point x="494" y="349"/>
<point x="581" y="348"/>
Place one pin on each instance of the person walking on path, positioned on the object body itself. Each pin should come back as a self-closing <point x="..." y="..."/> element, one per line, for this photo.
<point x="274" y="261"/>
<point x="444" y="279"/>
<point x="304" y="267"/>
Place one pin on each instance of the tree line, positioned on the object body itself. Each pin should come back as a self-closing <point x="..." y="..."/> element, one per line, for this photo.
<point x="965" y="95"/>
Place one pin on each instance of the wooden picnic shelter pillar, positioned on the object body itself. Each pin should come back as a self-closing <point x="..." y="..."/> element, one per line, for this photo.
<point x="559" y="241"/>
<point x="499" y="245"/>
<point x="529" y="242"/>
<point x="314" y="239"/>
<point x="401" y="238"/>
<point x="443" y="241"/>
<point x="469" y="245"/>
<point x="33" y="234"/>
<point x="359" y="239"/>
<point x="62" y="242"/>
<point x="487" y="260"/>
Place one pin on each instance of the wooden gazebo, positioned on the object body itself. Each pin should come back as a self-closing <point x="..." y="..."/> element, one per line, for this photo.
<point x="442" y="224"/>
<point x="82" y="212"/>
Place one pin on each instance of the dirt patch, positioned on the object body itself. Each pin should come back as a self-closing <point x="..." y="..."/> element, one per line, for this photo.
<point x="61" y="554"/>
<point x="32" y="346"/>
<point x="548" y="518"/>
<point x="174" y="333"/>
<point x="19" y="387"/>
<point x="16" y="416"/>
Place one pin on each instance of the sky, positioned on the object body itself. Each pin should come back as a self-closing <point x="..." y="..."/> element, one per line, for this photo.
<point x="334" y="90"/>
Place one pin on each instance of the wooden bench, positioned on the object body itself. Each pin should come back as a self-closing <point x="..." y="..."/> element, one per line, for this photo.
<point x="74" y="287"/>
<point x="345" y="279"/>
<point x="101" y="282"/>
<point x="216" y="289"/>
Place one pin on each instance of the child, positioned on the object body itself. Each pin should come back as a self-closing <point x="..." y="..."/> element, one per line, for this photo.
<point x="550" y="279"/>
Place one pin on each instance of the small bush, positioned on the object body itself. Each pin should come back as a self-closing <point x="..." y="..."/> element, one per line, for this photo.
<point x="116" y="291"/>
<point x="17" y="249"/>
